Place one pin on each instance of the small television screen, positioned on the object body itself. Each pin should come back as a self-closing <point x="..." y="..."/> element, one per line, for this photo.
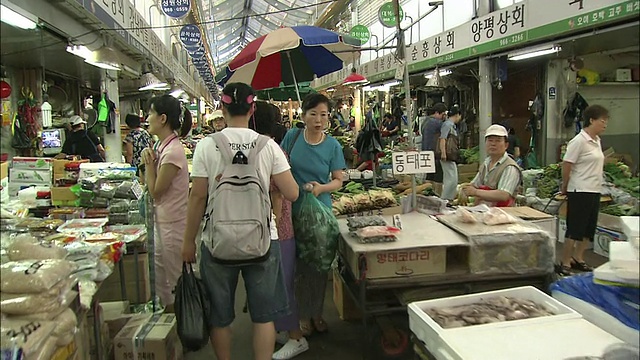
<point x="52" y="141"/>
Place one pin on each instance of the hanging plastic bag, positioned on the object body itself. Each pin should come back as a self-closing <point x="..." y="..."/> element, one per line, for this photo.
<point x="316" y="230"/>
<point x="192" y="310"/>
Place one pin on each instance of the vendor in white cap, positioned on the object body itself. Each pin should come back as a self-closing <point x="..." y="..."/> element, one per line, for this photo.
<point x="82" y="142"/>
<point x="499" y="176"/>
<point x="218" y="123"/>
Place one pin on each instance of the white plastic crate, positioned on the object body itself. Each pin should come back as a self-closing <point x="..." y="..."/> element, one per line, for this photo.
<point x="560" y="340"/>
<point x="427" y="330"/>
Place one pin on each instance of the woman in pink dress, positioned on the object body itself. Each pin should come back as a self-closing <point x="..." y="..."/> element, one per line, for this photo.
<point x="167" y="179"/>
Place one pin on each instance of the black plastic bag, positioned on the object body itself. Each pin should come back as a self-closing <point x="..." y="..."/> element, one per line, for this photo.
<point x="192" y="309"/>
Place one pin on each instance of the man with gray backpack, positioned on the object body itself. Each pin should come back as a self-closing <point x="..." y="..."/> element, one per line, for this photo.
<point x="231" y="174"/>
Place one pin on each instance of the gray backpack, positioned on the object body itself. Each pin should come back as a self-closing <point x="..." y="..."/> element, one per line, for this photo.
<point x="237" y="228"/>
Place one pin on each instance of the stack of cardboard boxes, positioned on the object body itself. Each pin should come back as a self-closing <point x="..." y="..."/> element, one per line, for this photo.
<point x="29" y="171"/>
<point x="62" y="195"/>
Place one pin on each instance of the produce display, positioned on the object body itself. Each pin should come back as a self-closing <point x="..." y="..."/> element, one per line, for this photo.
<point x="470" y="156"/>
<point x="354" y="198"/>
<point x="404" y="188"/>
<point x="487" y="311"/>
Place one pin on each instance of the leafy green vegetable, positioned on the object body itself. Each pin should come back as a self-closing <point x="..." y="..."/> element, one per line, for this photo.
<point x="620" y="210"/>
<point x="470" y="155"/>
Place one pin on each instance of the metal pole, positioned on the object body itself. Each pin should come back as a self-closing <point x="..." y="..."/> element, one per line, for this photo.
<point x="407" y="91"/>
<point x="413" y="23"/>
<point x="295" y="82"/>
<point x="484" y="88"/>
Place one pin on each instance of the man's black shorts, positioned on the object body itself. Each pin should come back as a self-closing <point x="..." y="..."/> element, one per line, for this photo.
<point x="582" y="215"/>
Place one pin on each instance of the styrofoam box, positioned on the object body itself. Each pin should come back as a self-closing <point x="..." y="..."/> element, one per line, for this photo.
<point x="630" y="226"/>
<point x="427" y="330"/>
<point x="559" y="340"/>
<point x="623" y="255"/>
<point x="600" y="318"/>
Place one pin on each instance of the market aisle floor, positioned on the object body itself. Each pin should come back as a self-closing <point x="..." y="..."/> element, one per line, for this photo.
<point x="342" y="342"/>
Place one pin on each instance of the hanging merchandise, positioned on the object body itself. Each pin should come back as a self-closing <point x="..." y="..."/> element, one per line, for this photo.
<point x="573" y="111"/>
<point x="103" y="109"/>
<point x="111" y="117"/>
<point x="27" y="110"/>
<point x="19" y="140"/>
<point x="5" y="89"/>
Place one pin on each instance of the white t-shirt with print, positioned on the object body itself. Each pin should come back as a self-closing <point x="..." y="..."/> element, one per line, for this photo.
<point x="207" y="161"/>
<point x="585" y="153"/>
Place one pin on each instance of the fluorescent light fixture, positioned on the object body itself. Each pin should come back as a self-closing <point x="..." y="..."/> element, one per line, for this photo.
<point x="176" y="91"/>
<point x="151" y="82"/>
<point x="534" y="52"/>
<point x="382" y="87"/>
<point x="443" y="72"/>
<point x="16" y="18"/>
<point x="105" y="58"/>
<point x="80" y="50"/>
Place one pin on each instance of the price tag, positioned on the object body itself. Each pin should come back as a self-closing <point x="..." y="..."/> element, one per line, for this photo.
<point x="396" y="221"/>
<point x="137" y="190"/>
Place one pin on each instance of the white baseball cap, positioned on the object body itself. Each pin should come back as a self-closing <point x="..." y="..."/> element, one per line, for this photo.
<point x="76" y="120"/>
<point x="496" y="130"/>
<point x="216" y="114"/>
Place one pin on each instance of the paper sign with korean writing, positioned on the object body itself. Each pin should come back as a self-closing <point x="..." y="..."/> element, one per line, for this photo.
<point x="413" y="162"/>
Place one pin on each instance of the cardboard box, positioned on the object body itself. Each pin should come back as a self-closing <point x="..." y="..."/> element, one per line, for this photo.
<point x="4" y="169"/>
<point x="110" y="288"/>
<point x="62" y="194"/>
<point x="19" y="162"/>
<point x="602" y="239"/>
<point x="116" y="315"/>
<point x="15" y="187"/>
<point x="36" y="176"/>
<point x="150" y="336"/>
<point x="545" y="221"/>
<point x="347" y="308"/>
<point x="58" y="167"/>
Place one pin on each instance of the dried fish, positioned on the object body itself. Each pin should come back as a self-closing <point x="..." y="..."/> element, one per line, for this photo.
<point x="487" y="311"/>
<point x="359" y="222"/>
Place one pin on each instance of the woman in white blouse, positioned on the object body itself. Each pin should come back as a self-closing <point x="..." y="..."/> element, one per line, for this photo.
<point x="582" y="171"/>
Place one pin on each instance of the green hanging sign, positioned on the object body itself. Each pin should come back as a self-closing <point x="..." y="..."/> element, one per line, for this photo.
<point x="361" y="33"/>
<point x="387" y="15"/>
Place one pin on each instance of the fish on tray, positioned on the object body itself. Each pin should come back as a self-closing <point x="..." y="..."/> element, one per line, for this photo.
<point x="492" y="310"/>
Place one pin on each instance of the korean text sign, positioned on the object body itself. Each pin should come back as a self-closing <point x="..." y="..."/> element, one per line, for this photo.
<point x="413" y="162"/>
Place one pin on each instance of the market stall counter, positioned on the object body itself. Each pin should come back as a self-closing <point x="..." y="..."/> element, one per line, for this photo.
<point x="426" y="259"/>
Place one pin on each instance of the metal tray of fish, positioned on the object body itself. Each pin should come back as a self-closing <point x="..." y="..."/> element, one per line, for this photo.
<point x="429" y="330"/>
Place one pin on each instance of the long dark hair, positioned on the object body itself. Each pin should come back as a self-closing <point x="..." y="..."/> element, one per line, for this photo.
<point x="178" y="117"/>
<point x="237" y="98"/>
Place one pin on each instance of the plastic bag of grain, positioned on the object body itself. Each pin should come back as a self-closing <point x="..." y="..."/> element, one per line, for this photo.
<point x="30" y="277"/>
<point x="51" y="314"/>
<point x="23" y="304"/>
<point x="27" y="247"/>
<point x="46" y="351"/>
<point x="25" y="335"/>
<point x="66" y="324"/>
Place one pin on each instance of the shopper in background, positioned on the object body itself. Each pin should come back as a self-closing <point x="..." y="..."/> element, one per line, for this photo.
<point x="317" y="159"/>
<point x="390" y="126"/>
<point x="264" y="281"/>
<point x="167" y="179"/>
<point x="499" y="177"/>
<point x="582" y="171"/>
<point x="135" y="142"/>
<point x="431" y="133"/>
<point x="448" y="133"/>
<point x="265" y="122"/>
<point x="82" y="142"/>
<point x="217" y="121"/>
